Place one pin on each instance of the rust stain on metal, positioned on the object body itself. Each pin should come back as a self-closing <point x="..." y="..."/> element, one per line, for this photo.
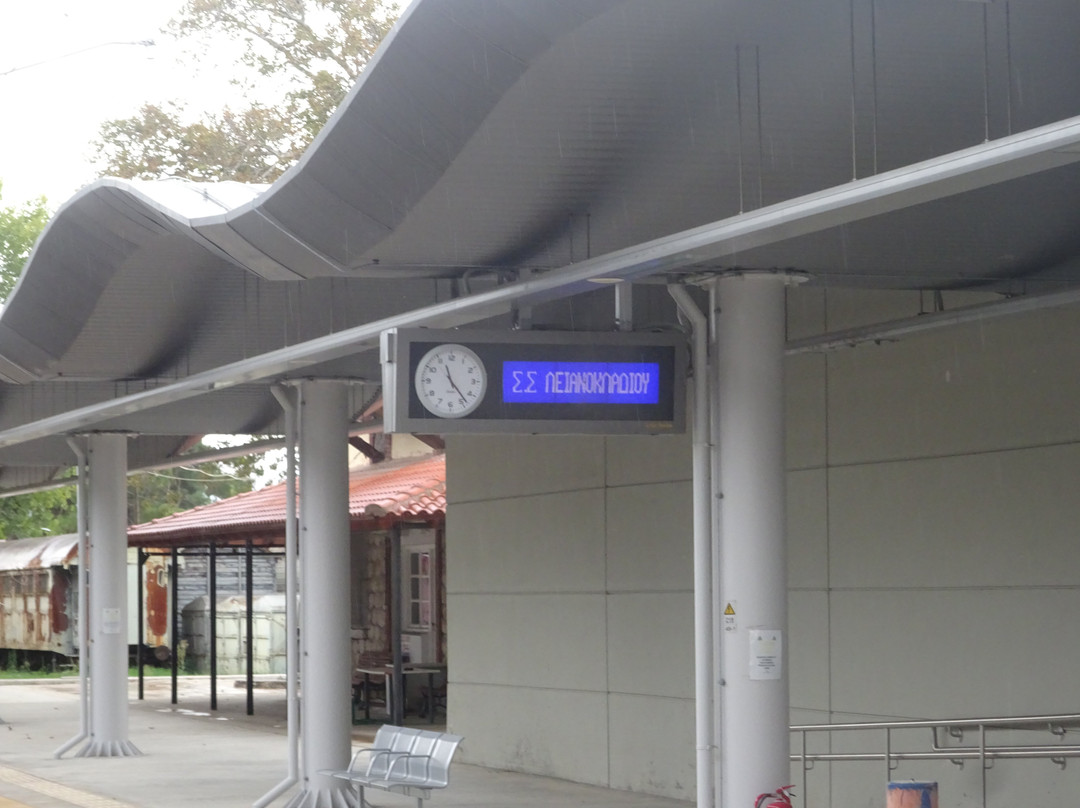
<point x="58" y="602"/>
<point x="36" y="589"/>
<point x="157" y="603"/>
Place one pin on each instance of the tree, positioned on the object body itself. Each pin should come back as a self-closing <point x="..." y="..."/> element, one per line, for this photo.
<point x="20" y="227"/>
<point x="43" y="513"/>
<point x="153" y="494"/>
<point x="311" y="51"/>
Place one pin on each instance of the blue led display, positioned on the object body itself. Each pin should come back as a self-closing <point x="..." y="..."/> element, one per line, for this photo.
<point x="581" y="382"/>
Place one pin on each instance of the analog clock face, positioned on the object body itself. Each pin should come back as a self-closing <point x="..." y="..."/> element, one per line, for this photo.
<point x="450" y="381"/>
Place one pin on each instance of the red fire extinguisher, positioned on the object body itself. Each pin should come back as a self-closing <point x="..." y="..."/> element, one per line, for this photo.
<point x="780" y="799"/>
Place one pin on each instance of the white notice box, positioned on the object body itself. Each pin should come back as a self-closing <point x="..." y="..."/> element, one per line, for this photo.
<point x="766" y="653"/>
<point x="110" y="621"/>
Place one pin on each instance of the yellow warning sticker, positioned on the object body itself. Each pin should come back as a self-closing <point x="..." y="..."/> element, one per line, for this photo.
<point x="730" y="610"/>
<point x="729" y="616"/>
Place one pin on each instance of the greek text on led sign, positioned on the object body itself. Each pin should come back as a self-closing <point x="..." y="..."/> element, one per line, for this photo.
<point x="581" y="382"/>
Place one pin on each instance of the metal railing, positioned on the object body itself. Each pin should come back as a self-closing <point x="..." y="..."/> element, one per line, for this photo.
<point x="946" y="742"/>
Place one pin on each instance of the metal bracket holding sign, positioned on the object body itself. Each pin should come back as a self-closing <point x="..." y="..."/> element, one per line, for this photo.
<point x="533" y="382"/>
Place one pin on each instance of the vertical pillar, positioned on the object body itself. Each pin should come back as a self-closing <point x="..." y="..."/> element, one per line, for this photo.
<point x="140" y="620"/>
<point x="107" y="609"/>
<point x="750" y="339"/>
<point x="249" y="625"/>
<point x="213" y="625"/>
<point x="326" y="678"/>
<point x="395" y="696"/>
<point x="174" y="622"/>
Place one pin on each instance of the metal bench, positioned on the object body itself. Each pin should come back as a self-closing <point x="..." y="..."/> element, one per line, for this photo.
<point x="407" y="761"/>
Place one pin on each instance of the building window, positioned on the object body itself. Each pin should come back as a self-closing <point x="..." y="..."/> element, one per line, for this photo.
<point x="419" y="611"/>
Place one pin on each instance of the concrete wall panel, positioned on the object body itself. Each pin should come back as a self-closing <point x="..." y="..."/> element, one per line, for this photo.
<point x="543" y="641"/>
<point x="638" y="459"/>
<point x="996" y="519"/>
<point x="651" y="644"/>
<point x="549" y="543"/>
<point x="558" y="733"/>
<point x="807" y="529"/>
<point x="962" y="390"/>
<point x="954" y="653"/>
<point x="805" y="311"/>
<point x="804" y="411"/>
<point x="808" y="651"/>
<point x="650" y="537"/>
<point x="651" y="751"/>
<point x="498" y="466"/>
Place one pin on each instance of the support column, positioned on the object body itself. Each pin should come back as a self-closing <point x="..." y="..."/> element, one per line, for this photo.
<point x="754" y="679"/>
<point x="326" y="676"/>
<point x="107" y="608"/>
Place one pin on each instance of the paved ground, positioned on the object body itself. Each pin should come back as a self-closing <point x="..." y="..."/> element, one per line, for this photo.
<point x="224" y="760"/>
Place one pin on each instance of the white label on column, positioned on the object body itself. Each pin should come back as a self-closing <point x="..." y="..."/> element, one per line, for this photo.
<point x="730" y="621"/>
<point x="766" y="653"/>
<point x="110" y="621"/>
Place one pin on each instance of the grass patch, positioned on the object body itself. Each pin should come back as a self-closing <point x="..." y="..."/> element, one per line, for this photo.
<point x="26" y="673"/>
<point x="12" y="668"/>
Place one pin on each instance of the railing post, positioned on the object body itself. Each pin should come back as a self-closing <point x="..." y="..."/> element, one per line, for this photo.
<point x="982" y="761"/>
<point x="805" y="779"/>
<point x="888" y="754"/>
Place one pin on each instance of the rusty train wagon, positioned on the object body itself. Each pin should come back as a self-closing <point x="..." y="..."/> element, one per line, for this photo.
<point x="39" y="602"/>
<point x="38" y="599"/>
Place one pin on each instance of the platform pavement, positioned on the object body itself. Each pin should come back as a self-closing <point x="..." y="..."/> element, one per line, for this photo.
<point x="222" y="760"/>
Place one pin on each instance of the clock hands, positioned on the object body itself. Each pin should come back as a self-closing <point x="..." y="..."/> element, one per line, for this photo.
<point x="450" y="378"/>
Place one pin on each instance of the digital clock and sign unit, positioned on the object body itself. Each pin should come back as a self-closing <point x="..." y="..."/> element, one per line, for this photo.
<point x="533" y="382"/>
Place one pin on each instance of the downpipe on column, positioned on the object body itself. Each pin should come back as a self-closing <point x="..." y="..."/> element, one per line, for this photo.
<point x="287" y="399"/>
<point x="703" y="579"/>
<point x="84" y="659"/>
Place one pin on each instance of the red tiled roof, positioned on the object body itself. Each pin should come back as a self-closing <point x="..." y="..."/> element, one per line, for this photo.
<point x="394" y="488"/>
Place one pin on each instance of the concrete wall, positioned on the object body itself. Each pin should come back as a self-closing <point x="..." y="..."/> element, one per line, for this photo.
<point x="933" y="524"/>
<point x="933" y="563"/>
<point x="569" y="608"/>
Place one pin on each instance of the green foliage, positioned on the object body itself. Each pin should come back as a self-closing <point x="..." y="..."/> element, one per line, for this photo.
<point x="311" y="50"/>
<point x="153" y="494"/>
<point x="20" y="227"/>
<point x="43" y="513"/>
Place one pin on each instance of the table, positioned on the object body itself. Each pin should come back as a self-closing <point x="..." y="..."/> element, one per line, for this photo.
<point x="387" y="672"/>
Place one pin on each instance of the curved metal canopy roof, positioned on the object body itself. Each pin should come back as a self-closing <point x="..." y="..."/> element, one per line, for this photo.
<point x="494" y="143"/>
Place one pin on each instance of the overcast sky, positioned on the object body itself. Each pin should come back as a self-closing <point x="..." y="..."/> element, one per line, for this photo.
<point x="51" y="111"/>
